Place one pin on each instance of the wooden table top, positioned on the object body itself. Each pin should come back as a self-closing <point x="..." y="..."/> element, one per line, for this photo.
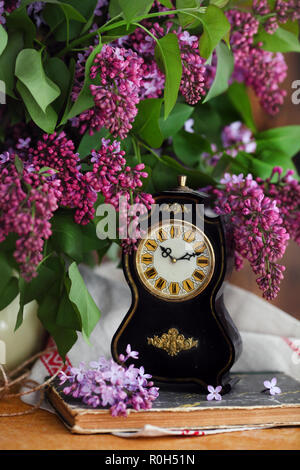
<point x="43" y="431"/>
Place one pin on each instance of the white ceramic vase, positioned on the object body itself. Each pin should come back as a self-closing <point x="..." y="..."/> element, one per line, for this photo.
<point x="26" y="341"/>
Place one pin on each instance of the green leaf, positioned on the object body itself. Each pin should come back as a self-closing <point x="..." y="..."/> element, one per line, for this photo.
<point x="219" y="3"/>
<point x="8" y="60"/>
<point x="92" y="142"/>
<point x="67" y="315"/>
<point x="246" y="163"/>
<point x="3" y="39"/>
<point x="118" y="32"/>
<point x="238" y="96"/>
<point x="64" y="338"/>
<point x="189" y="147"/>
<point x="6" y="272"/>
<point x="48" y="273"/>
<point x="71" y="13"/>
<point x="90" y="241"/>
<point x="80" y="296"/>
<point x="222" y="166"/>
<point x="46" y="121"/>
<point x="134" y="9"/>
<point x="176" y="119"/>
<point x="165" y="172"/>
<point x="18" y="20"/>
<point x="9" y="293"/>
<point x="281" y="139"/>
<point x="166" y="3"/>
<point x="167" y="54"/>
<point x="188" y="21"/>
<point x="30" y="71"/>
<point x="59" y="73"/>
<point x="215" y="28"/>
<point x="66" y="236"/>
<point x="146" y="122"/>
<point x="85" y="99"/>
<point x="280" y="41"/>
<point x="225" y="66"/>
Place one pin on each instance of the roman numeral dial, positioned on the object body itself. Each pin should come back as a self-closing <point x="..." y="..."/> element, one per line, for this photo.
<point x="175" y="261"/>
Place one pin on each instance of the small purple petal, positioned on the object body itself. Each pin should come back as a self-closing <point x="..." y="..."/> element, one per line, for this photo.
<point x="210" y="388"/>
<point x="267" y="384"/>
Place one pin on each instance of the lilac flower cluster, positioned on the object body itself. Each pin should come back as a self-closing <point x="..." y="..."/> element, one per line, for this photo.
<point x="2" y="12"/>
<point x="108" y="384"/>
<point x="118" y="74"/>
<point x="262" y="70"/>
<point x="120" y="184"/>
<point x="35" y="10"/>
<point x="286" y="192"/>
<point x="195" y="74"/>
<point x="58" y="152"/>
<point x="258" y="230"/>
<point x="282" y="11"/>
<point x="153" y="82"/>
<point x="28" y="200"/>
<point x="193" y="84"/>
<point x="236" y="137"/>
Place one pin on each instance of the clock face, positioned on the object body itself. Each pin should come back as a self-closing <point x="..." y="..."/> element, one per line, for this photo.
<point x="175" y="261"/>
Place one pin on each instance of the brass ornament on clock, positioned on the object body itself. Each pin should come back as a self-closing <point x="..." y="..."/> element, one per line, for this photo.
<point x="173" y="342"/>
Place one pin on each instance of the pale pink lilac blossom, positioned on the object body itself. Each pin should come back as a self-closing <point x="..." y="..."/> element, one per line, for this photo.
<point x="272" y="387"/>
<point x="214" y="393"/>
<point x="108" y="384"/>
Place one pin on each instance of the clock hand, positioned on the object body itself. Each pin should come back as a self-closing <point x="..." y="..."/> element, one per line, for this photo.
<point x="187" y="256"/>
<point x="167" y="252"/>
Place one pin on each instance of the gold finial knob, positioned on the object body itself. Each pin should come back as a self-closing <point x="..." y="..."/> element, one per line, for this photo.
<point x="182" y="180"/>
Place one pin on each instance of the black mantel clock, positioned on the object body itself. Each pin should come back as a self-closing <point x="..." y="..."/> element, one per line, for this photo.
<point x="177" y="320"/>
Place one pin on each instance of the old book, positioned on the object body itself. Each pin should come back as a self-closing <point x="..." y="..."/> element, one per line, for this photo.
<point x="185" y="408"/>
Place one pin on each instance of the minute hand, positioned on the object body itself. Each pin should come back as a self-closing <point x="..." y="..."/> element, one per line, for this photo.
<point x="187" y="256"/>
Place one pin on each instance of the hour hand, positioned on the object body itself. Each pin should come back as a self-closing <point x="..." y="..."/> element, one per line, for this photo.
<point x="167" y="252"/>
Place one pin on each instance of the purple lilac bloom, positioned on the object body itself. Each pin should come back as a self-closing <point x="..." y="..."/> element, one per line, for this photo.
<point x="58" y="152"/>
<point x="272" y="386"/>
<point x="283" y="11"/>
<point x="258" y="230"/>
<point x="35" y="10"/>
<point x="100" y="4"/>
<point x="236" y="137"/>
<point x="2" y="11"/>
<point x="119" y="182"/>
<point x="264" y="71"/>
<point x="27" y="203"/>
<point x="117" y="74"/>
<point x="23" y="143"/>
<point x="106" y="383"/>
<point x="286" y="192"/>
<point x="4" y="157"/>
<point x="214" y="393"/>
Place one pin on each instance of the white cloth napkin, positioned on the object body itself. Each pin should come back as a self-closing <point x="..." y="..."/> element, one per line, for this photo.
<point x="271" y="338"/>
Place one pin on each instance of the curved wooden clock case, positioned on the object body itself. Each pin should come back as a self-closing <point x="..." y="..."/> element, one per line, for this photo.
<point x="188" y="341"/>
